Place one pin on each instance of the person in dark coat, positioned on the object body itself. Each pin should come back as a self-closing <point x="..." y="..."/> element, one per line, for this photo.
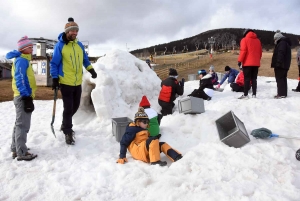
<point x="205" y="82"/>
<point x="298" y="62"/>
<point x="170" y="87"/>
<point x="281" y="61"/>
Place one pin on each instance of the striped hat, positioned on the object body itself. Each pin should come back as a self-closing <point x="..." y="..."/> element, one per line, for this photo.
<point x="24" y="43"/>
<point x="71" y="25"/>
<point x="141" y="114"/>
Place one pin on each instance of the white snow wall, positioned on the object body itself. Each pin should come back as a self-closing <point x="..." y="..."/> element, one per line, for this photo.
<point x="121" y="81"/>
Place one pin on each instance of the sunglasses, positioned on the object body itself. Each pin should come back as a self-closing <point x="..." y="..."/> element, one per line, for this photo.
<point x="145" y="121"/>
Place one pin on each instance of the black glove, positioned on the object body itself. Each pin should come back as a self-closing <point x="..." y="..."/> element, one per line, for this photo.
<point x="55" y="83"/>
<point x="93" y="73"/>
<point x="239" y="64"/>
<point x="28" y="104"/>
<point x="182" y="81"/>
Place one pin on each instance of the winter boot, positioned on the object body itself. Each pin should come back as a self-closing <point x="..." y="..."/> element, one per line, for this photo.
<point x="279" y="97"/>
<point x="70" y="139"/>
<point x="178" y="158"/>
<point x="62" y="127"/>
<point x="27" y="157"/>
<point x="160" y="163"/>
<point x="244" y="97"/>
<point x="14" y="155"/>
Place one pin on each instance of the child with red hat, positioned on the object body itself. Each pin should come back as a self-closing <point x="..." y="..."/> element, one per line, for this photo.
<point x="153" y="117"/>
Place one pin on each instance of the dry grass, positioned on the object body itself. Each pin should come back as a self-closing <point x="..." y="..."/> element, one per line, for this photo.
<point x="230" y="59"/>
<point x="219" y="61"/>
<point x="42" y="93"/>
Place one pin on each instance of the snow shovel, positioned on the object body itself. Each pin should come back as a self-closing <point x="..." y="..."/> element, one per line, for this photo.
<point x="53" y="111"/>
<point x="263" y="133"/>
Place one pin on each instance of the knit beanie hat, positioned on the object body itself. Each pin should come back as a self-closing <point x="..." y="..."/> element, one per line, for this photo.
<point x="24" y="43"/>
<point x="227" y="68"/>
<point x="202" y="72"/>
<point x="141" y="114"/>
<point x="173" y="72"/>
<point x="211" y="67"/>
<point x="277" y="36"/>
<point x="71" y="25"/>
<point x="144" y="102"/>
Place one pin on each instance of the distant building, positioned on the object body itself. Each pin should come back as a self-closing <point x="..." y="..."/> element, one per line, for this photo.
<point x="5" y="70"/>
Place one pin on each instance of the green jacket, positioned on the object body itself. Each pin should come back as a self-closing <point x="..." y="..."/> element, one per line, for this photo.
<point x="153" y="124"/>
<point x="67" y="61"/>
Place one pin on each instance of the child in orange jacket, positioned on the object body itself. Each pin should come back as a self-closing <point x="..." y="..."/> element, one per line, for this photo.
<point x="142" y="147"/>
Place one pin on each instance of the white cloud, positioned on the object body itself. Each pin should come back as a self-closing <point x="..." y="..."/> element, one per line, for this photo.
<point x="140" y="23"/>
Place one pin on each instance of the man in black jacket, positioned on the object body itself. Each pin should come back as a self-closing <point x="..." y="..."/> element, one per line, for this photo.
<point x="281" y="61"/>
<point x="170" y="87"/>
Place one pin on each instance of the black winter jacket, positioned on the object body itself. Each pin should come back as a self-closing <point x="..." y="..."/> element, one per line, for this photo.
<point x="169" y="88"/>
<point x="206" y="82"/>
<point x="282" y="54"/>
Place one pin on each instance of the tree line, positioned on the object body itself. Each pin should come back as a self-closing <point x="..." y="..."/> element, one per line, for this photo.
<point x="223" y="39"/>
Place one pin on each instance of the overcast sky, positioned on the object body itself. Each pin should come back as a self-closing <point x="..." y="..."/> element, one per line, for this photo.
<point x="134" y="24"/>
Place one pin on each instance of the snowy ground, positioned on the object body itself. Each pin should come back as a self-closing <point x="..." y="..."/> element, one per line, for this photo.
<point x="263" y="170"/>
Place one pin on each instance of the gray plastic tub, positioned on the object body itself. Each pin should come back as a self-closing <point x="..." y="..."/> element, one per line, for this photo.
<point x="191" y="105"/>
<point x="119" y="126"/>
<point x="232" y="130"/>
<point x="192" y="77"/>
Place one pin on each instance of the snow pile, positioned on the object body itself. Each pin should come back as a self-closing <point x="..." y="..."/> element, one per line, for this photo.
<point x="262" y="170"/>
<point x="122" y="80"/>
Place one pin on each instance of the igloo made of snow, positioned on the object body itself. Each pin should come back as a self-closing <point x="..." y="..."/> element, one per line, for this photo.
<point x="122" y="79"/>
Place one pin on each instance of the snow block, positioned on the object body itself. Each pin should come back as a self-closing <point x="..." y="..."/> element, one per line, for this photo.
<point x="119" y="126"/>
<point x="191" y="105"/>
<point x="192" y="77"/>
<point x="232" y="130"/>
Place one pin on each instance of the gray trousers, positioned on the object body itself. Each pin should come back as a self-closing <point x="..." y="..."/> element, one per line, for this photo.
<point x="21" y="128"/>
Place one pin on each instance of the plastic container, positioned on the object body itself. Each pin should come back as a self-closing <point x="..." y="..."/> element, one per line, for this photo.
<point x="220" y="76"/>
<point x="119" y="126"/>
<point x="192" y="77"/>
<point x="191" y="105"/>
<point x="232" y="130"/>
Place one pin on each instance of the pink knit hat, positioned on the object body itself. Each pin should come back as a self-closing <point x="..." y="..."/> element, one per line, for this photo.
<point x="24" y="43"/>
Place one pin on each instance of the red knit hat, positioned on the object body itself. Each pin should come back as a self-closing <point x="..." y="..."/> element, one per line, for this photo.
<point x="144" y="102"/>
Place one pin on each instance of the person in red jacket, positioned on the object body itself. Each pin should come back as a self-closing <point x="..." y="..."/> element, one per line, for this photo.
<point x="249" y="59"/>
<point x="238" y="85"/>
<point x="170" y="87"/>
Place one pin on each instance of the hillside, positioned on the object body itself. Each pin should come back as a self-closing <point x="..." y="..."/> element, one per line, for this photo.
<point x="223" y="40"/>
